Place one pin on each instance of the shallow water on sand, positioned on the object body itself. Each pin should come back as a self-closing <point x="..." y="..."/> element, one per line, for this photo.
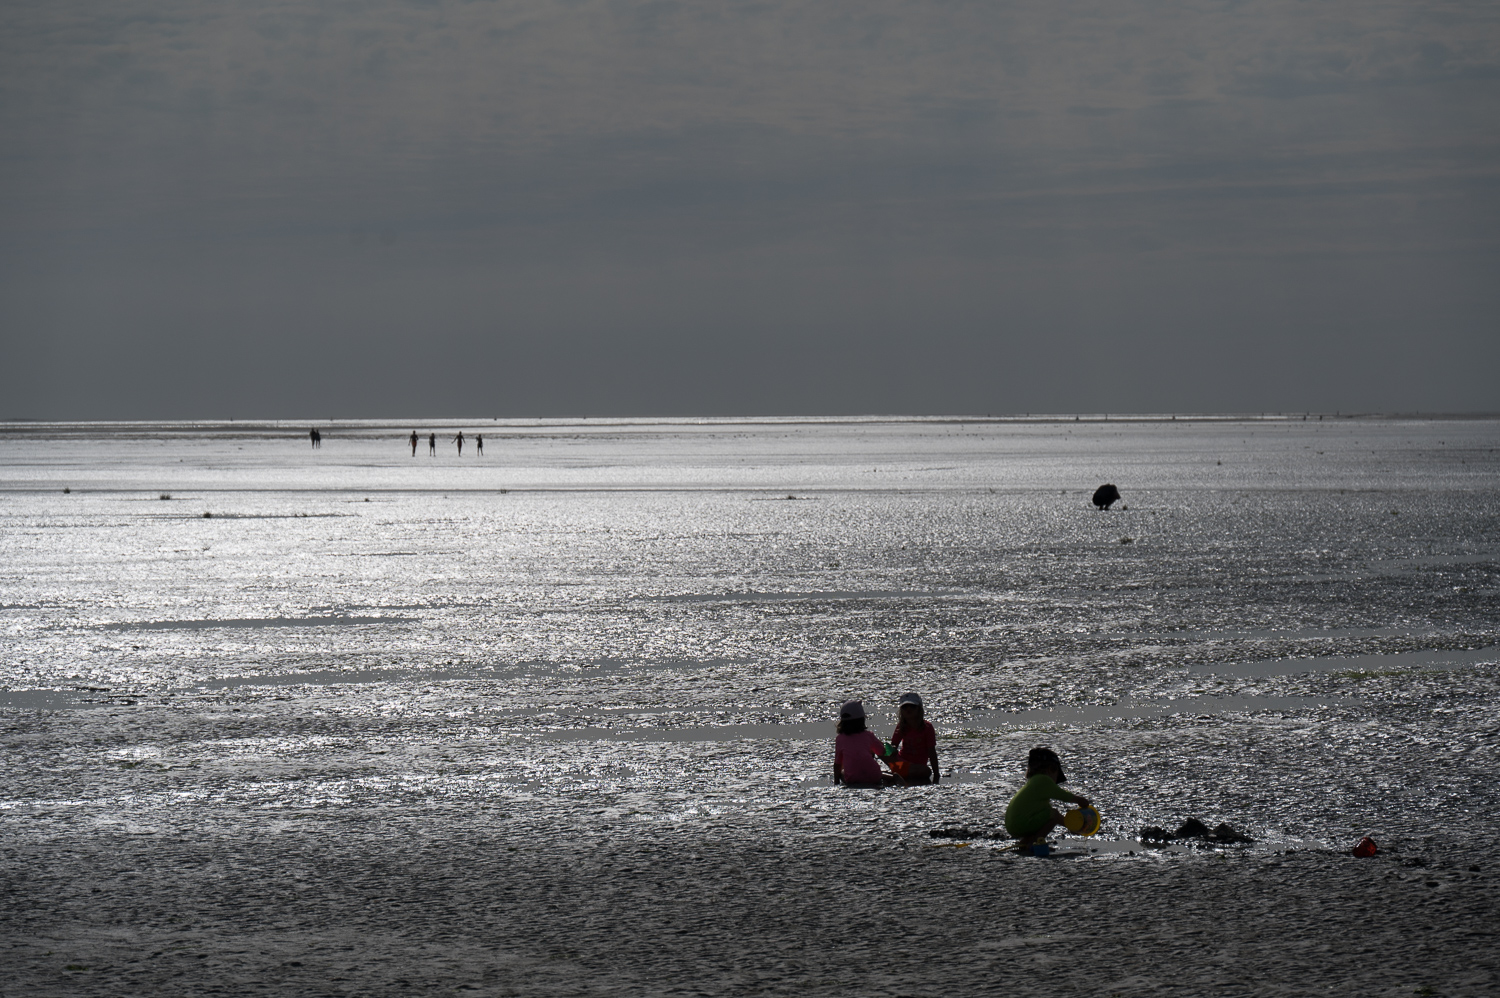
<point x="635" y="635"/>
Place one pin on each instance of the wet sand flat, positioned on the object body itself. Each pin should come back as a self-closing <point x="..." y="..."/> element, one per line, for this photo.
<point x="560" y="723"/>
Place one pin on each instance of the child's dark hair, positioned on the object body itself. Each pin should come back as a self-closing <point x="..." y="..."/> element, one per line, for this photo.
<point x="851" y="725"/>
<point x="1042" y="759"/>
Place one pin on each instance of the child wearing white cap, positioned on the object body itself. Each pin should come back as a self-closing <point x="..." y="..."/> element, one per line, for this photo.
<point x="916" y="742"/>
<point x="856" y="752"/>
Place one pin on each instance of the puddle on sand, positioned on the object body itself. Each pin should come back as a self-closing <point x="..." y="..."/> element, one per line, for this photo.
<point x="43" y="700"/>
<point x="773" y="597"/>
<point x="811" y="731"/>
<point x="1431" y="659"/>
<point x="1188" y="634"/>
<point x="1155" y="708"/>
<point x="591" y="667"/>
<point x="73" y="699"/>
<point x="206" y="624"/>
<point x="1438" y="559"/>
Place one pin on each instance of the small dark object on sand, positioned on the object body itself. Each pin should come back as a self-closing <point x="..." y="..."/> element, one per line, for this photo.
<point x="1192" y="828"/>
<point x="66" y="490"/>
<point x="207" y="515"/>
<point x="1226" y="834"/>
<point x="1106" y="496"/>
<point x="1365" y="847"/>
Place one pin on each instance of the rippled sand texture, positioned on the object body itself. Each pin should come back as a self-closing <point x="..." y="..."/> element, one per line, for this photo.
<point x="556" y="721"/>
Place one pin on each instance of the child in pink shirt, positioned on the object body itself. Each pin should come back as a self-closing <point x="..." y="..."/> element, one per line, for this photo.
<point x="856" y="752"/>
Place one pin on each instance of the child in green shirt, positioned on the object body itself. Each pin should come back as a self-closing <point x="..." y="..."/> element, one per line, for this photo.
<point x="1030" y="816"/>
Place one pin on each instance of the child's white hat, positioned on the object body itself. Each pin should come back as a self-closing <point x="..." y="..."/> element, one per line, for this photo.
<point x="853" y="709"/>
<point x="910" y="698"/>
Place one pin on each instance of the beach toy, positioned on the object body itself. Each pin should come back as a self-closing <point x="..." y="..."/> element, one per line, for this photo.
<point x="1364" y="848"/>
<point x="1083" y="821"/>
<point x="1040" y="849"/>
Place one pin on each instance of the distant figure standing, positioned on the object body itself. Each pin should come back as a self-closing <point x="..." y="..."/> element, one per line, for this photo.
<point x="1106" y="496"/>
<point x="479" y="443"/>
<point x="315" y="437"/>
<point x="432" y="444"/>
<point x="460" y="441"/>
<point x="413" y="443"/>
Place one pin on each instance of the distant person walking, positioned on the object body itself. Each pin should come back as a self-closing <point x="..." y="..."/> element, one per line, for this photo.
<point x="413" y="443"/>
<point x="460" y="441"/>
<point x="315" y="437"/>
<point x="432" y="444"/>
<point x="479" y="443"/>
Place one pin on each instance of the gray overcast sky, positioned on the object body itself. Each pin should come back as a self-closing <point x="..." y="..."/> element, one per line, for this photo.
<point x="591" y="207"/>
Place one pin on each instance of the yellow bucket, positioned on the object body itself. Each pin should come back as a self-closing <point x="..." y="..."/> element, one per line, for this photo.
<point x="1082" y="821"/>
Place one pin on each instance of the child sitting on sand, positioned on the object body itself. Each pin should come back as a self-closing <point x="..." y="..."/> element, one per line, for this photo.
<point x="856" y="752"/>
<point x="1030" y="816"/>
<point x="916" y="742"/>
